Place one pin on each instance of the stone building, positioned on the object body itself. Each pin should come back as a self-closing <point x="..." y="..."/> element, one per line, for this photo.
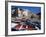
<point x="24" y="13"/>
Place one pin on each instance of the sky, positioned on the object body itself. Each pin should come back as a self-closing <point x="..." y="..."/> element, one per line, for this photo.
<point x="32" y="9"/>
